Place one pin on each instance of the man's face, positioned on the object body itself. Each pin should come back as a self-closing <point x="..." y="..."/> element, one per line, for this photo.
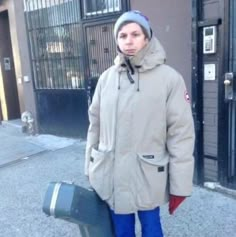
<point x="131" y="39"/>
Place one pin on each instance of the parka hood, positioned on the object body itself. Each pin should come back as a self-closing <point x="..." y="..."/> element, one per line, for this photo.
<point x="152" y="55"/>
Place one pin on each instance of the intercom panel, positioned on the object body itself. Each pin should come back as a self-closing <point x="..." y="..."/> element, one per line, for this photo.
<point x="209" y="39"/>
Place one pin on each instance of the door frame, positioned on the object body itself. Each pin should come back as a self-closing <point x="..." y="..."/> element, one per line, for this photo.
<point x="11" y="108"/>
<point x="197" y="92"/>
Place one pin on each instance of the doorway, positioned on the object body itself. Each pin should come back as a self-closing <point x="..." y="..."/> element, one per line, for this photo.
<point x="228" y="175"/>
<point x="10" y="108"/>
<point x="214" y="90"/>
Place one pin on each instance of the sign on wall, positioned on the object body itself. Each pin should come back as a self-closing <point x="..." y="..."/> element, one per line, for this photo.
<point x="209" y="72"/>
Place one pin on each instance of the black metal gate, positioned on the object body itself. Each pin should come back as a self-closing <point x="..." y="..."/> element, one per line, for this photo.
<point x="71" y="44"/>
<point x="228" y="177"/>
<point x="214" y="90"/>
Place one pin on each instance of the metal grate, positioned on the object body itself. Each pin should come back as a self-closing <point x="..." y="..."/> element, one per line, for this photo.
<point x="67" y="48"/>
<point x="55" y="36"/>
<point x="101" y="48"/>
<point x="100" y="7"/>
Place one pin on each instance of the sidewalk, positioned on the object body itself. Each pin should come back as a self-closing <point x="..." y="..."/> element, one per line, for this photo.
<point x="17" y="146"/>
<point x="29" y="163"/>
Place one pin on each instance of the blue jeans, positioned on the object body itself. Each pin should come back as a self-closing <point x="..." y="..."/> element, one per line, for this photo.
<point x="124" y="224"/>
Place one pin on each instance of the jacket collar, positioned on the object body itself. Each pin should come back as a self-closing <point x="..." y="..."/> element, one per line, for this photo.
<point x="147" y="58"/>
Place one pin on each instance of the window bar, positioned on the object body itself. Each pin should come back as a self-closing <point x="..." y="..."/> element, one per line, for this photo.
<point x="71" y="55"/>
<point x="46" y="53"/>
<point x="107" y="5"/>
<point x="77" y="60"/>
<point x="54" y="16"/>
<point x="87" y="64"/>
<point x="90" y="52"/>
<point x="62" y="54"/>
<point x="45" y="56"/>
<point x="96" y="7"/>
<point x="94" y="51"/>
<point x="27" y="14"/>
<point x="65" y="46"/>
<point x="114" y="5"/>
<point x="111" y="5"/>
<point x="39" y="41"/>
<point x="84" y="8"/>
<point x="60" y="41"/>
<point x="59" y="60"/>
<point x="69" y="50"/>
<point x="39" y="8"/>
<point x="53" y="57"/>
<point x="48" y="76"/>
<point x="106" y="46"/>
<point x="100" y="36"/>
<point x="80" y="59"/>
<point x="108" y="53"/>
<point x="55" y="61"/>
<point x="101" y="47"/>
<point x="57" y="53"/>
<point x="84" y="57"/>
<point x="113" y="46"/>
<point x="50" y="41"/>
<point x="103" y="6"/>
<point x="37" y="29"/>
<point x="65" y="51"/>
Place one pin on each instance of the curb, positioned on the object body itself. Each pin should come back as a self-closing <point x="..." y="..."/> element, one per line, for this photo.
<point x="218" y="188"/>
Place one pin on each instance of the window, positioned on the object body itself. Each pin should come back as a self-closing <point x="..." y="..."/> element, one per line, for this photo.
<point x="95" y="7"/>
<point x="31" y="5"/>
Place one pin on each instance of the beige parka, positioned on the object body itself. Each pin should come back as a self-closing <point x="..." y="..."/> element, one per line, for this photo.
<point x="141" y="136"/>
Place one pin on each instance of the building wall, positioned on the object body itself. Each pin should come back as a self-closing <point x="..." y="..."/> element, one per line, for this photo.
<point x="20" y="54"/>
<point x="171" y="23"/>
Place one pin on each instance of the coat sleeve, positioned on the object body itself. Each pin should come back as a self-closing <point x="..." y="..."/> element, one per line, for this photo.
<point x="180" y="139"/>
<point x="94" y="125"/>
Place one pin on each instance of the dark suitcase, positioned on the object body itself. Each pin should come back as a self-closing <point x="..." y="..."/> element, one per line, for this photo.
<point x="79" y="205"/>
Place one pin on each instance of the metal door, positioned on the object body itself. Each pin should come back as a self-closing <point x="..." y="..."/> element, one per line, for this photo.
<point x="230" y="98"/>
<point x="71" y="43"/>
<point x="209" y="108"/>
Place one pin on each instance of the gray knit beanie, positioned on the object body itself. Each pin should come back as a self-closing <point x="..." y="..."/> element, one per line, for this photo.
<point x="133" y="16"/>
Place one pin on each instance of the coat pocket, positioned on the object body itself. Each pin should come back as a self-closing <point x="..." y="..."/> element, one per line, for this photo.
<point x="100" y="173"/>
<point x="152" y="173"/>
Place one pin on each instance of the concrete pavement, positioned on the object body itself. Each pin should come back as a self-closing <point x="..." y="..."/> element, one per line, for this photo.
<point x="29" y="163"/>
